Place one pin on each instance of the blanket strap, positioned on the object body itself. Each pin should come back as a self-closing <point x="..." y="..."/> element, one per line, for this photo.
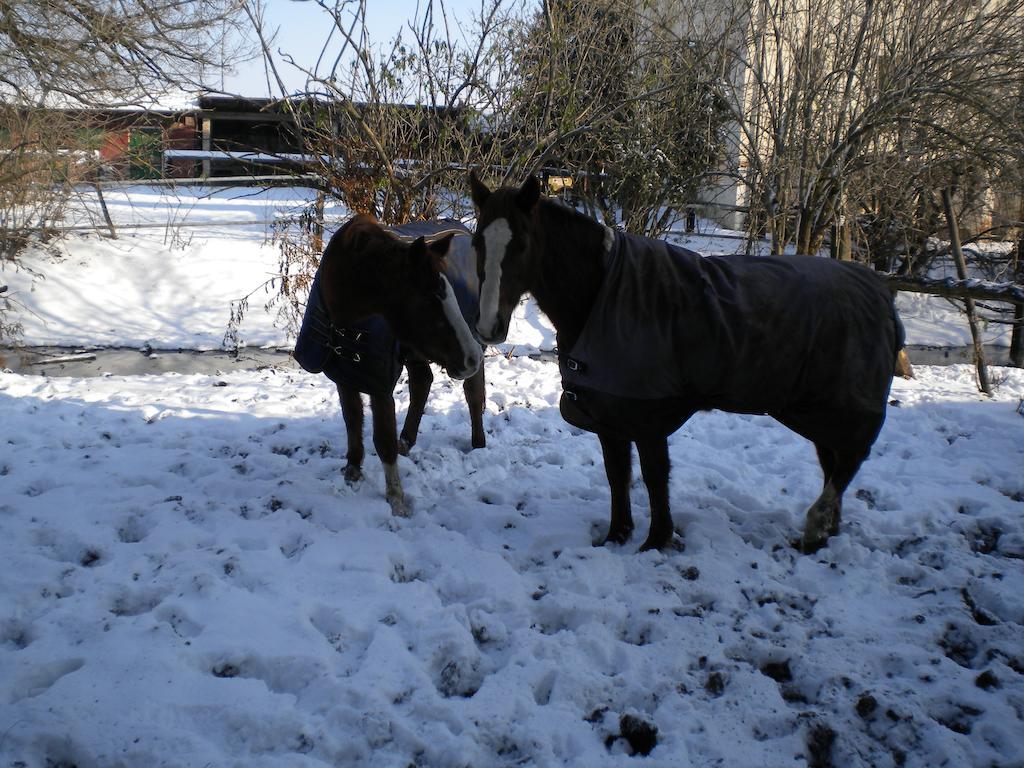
<point x="341" y="341"/>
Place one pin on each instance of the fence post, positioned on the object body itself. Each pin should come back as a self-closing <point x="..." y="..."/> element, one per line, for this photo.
<point x="318" y="224"/>
<point x="106" y="213"/>
<point x="207" y="144"/>
<point x="961" y="269"/>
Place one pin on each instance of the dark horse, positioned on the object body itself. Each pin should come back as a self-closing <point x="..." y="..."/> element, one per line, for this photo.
<point x="648" y="334"/>
<point x="382" y="299"/>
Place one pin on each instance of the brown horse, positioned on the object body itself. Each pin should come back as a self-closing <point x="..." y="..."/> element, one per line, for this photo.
<point x="648" y="334"/>
<point x="386" y="298"/>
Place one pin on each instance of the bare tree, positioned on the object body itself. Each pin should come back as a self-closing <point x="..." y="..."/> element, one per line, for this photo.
<point x="847" y="107"/>
<point x="616" y="93"/>
<point x="597" y="88"/>
<point x="388" y="129"/>
<point x="108" y="52"/>
<point x="32" y="164"/>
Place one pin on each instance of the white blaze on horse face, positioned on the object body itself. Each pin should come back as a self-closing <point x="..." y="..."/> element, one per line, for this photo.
<point x="497" y="236"/>
<point x="471" y="352"/>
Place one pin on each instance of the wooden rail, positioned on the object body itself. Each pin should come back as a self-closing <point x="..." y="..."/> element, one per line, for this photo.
<point x="958" y="289"/>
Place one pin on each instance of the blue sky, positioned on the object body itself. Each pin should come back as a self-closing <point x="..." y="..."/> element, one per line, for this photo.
<point x="302" y="28"/>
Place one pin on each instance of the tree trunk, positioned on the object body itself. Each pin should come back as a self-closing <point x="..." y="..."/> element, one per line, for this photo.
<point x="803" y="234"/>
<point x="1017" y="336"/>
<point x="207" y="132"/>
<point x="958" y="289"/>
<point x="845" y="243"/>
<point x="841" y="244"/>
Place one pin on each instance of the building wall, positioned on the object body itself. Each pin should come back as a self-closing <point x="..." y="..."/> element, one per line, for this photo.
<point x="724" y="198"/>
<point x="114" y="153"/>
<point x="182" y="134"/>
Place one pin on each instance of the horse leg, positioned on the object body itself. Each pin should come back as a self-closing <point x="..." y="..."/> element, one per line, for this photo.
<point x="618" y="466"/>
<point x="824" y="515"/>
<point x="654" y="465"/>
<point x="843" y="441"/>
<point x="420" y="379"/>
<point x="385" y="440"/>
<point x="827" y="459"/>
<point x="475" y="391"/>
<point x="352" y="411"/>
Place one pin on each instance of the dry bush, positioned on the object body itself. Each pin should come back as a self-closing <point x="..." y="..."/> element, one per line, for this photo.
<point x="615" y="93"/>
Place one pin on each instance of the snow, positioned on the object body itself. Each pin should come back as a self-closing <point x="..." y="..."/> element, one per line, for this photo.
<point x="188" y="581"/>
<point x="170" y="284"/>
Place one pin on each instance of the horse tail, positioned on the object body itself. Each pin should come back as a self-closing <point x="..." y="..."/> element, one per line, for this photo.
<point x="901" y="333"/>
<point x="901" y="361"/>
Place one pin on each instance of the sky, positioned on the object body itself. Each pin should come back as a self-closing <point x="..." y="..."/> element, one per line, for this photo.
<point x="302" y="28"/>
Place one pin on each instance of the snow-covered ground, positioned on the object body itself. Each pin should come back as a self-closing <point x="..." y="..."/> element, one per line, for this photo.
<point x="186" y="580"/>
<point x="171" y="286"/>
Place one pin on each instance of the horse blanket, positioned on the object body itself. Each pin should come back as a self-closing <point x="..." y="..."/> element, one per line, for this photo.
<point x="366" y="356"/>
<point x="745" y="334"/>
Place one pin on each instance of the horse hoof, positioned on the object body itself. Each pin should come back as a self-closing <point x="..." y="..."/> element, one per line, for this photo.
<point x="811" y="544"/>
<point x="657" y="541"/>
<point x="400" y="507"/>
<point x="352" y="474"/>
<point x="616" y="536"/>
<point x="404" y="446"/>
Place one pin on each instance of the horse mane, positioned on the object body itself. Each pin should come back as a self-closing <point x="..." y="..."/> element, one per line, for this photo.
<point x="363" y="263"/>
<point x="569" y="216"/>
<point x="362" y="230"/>
<point x="359" y="233"/>
<point x="573" y="247"/>
<point x="349" y="286"/>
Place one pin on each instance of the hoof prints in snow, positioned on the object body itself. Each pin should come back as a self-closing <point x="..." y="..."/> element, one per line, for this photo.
<point x="41" y="678"/>
<point x="212" y="568"/>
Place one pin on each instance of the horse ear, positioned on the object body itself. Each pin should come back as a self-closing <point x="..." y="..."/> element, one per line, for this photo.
<point x="441" y="245"/>
<point x="419" y="258"/>
<point x="418" y="247"/>
<point x="528" y="194"/>
<point x="478" y="190"/>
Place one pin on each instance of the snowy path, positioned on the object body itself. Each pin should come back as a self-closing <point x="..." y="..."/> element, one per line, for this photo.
<point x="186" y="582"/>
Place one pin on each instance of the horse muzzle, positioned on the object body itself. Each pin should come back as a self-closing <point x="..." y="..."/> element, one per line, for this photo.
<point x="496" y="334"/>
<point x="469" y="366"/>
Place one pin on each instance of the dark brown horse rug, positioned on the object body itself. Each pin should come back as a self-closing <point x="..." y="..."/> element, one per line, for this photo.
<point x="673" y="332"/>
<point x="366" y="356"/>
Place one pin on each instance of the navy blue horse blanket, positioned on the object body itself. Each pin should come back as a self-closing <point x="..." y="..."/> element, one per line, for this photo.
<point x="746" y="334"/>
<point x="366" y="356"/>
